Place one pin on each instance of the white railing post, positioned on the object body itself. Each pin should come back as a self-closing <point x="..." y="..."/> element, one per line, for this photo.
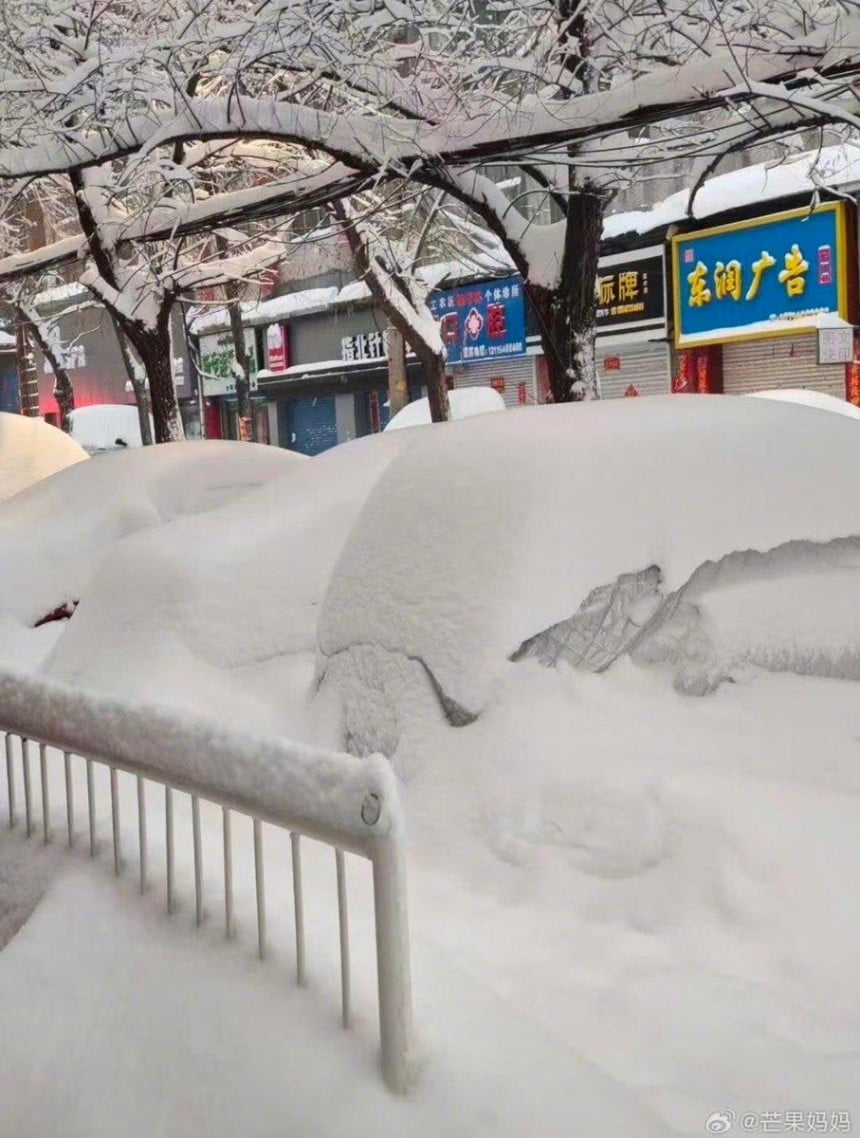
<point x="351" y="805"/>
<point x="392" y="962"/>
<point x="10" y="780"/>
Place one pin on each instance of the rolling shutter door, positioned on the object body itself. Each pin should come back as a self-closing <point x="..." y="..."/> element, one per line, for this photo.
<point x="311" y="424"/>
<point x="644" y="366"/>
<point x="515" y="373"/>
<point x="762" y="365"/>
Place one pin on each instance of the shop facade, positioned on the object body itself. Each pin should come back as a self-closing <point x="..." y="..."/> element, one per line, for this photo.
<point x="483" y="326"/>
<point x="334" y="386"/>
<point x="632" y="349"/>
<point x="755" y="300"/>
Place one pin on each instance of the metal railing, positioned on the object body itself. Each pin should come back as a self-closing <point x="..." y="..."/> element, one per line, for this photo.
<point x="347" y="803"/>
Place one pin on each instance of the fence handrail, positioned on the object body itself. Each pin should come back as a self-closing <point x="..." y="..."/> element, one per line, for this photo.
<point x="350" y="803"/>
<point x="338" y="798"/>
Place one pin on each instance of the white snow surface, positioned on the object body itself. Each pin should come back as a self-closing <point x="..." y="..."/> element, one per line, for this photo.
<point x="461" y="588"/>
<point x="464" y="402"/>
<point x="630" y="909"/>
<point x="53" y="535"/>
<point x="99" y="426"/>
<point x="833" y="166"/>
<point x="809" y="398"/>
<point x="30" y="450"/>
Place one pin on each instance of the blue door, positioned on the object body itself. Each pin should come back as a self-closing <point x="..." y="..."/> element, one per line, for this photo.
<point x="9" y="383"/>
<point x="311" y="425"/>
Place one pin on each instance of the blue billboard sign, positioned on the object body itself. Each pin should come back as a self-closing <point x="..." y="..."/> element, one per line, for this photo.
<point x="482" y="321"/>
<point x="757" y="278"/>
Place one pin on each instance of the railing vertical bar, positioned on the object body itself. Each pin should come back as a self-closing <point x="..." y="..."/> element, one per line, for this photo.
<point x="25" y="766"/>
<point x="10" y="780"/>
<point x="141" y="830"/>
<point x="46" y="808"/>
<point x="168" y="842"/>
<point x="392" y="963"/>
<point x="261" y="888"/>
<point x="198" y="860"/>
<point x="114" y="814"/>
<point x="343" y="923"/>
<point x="228" y="872"/>
<point x="298" y="907"/>
<point x="91" y="807"/>
<point x="70" y="800"/>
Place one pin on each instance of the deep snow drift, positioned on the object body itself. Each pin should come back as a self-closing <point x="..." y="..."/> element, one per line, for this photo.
<point x="31" y="449"/>
<point x="631" y="907"/>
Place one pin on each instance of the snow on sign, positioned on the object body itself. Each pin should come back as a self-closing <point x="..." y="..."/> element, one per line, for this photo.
<point x="482" y="321"/>
<point x="773" y="275"/>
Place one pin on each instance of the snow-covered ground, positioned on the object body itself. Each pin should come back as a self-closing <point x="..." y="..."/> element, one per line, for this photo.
<point x="631" y="906"/>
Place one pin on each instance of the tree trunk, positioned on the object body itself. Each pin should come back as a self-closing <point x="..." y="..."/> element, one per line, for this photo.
<point x="398" y="386"/>
<point x="566" y="315"/>
<point x="434" y="364"/>
<point x="437" y="384"/>
<point x="242" y="371"/>
<point x="138" y="386"/>
<point x="64" y="393"/>
<point x="28" y="377"/>
<point x="153" y="351"/>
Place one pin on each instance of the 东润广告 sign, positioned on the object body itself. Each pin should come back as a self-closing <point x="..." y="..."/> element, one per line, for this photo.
<point x="775" y="275"/>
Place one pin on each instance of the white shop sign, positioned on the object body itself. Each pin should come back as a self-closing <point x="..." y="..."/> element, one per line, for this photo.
<point x="364" y="346"/>
<point x="216" y="362"/>
<point x="836" y="345"/>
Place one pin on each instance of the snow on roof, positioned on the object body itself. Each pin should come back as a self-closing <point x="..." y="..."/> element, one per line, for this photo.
<point x="833" y="166"/>
<point x="30" y="450"/>
<point x="6" y="340"/>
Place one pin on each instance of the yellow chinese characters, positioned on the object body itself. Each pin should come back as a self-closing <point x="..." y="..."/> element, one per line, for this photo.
<point x="728" y="280"/>
<point x="793" y="276"/>
<point x="628" y="285"/>
<point x="760" y="267"/>
<point x="700" y="294"/>
<point x="606" y="287"/>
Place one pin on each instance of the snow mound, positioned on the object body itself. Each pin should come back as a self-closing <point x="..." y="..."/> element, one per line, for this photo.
<point x="460" y="581"/>
<point x="105" y="426"/>
<point x="30" y="450"/>
<point x="53" y="535"/>
<point x="808" y="398"/>
<point x="464" y="401"/>
<point x="220" y="610"/>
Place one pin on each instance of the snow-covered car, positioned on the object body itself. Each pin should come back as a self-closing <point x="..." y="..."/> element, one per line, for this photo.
<point x="105" y="426"/>
<point x="30" y="450"/>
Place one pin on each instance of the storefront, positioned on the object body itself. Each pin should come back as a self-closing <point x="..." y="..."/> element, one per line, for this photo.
<point x="484" y="329"/>
<point x="335" y="386"/>
<point x="750" y="298"/>
<point x="632" y="345"/>
<point x="220" y="407"/>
